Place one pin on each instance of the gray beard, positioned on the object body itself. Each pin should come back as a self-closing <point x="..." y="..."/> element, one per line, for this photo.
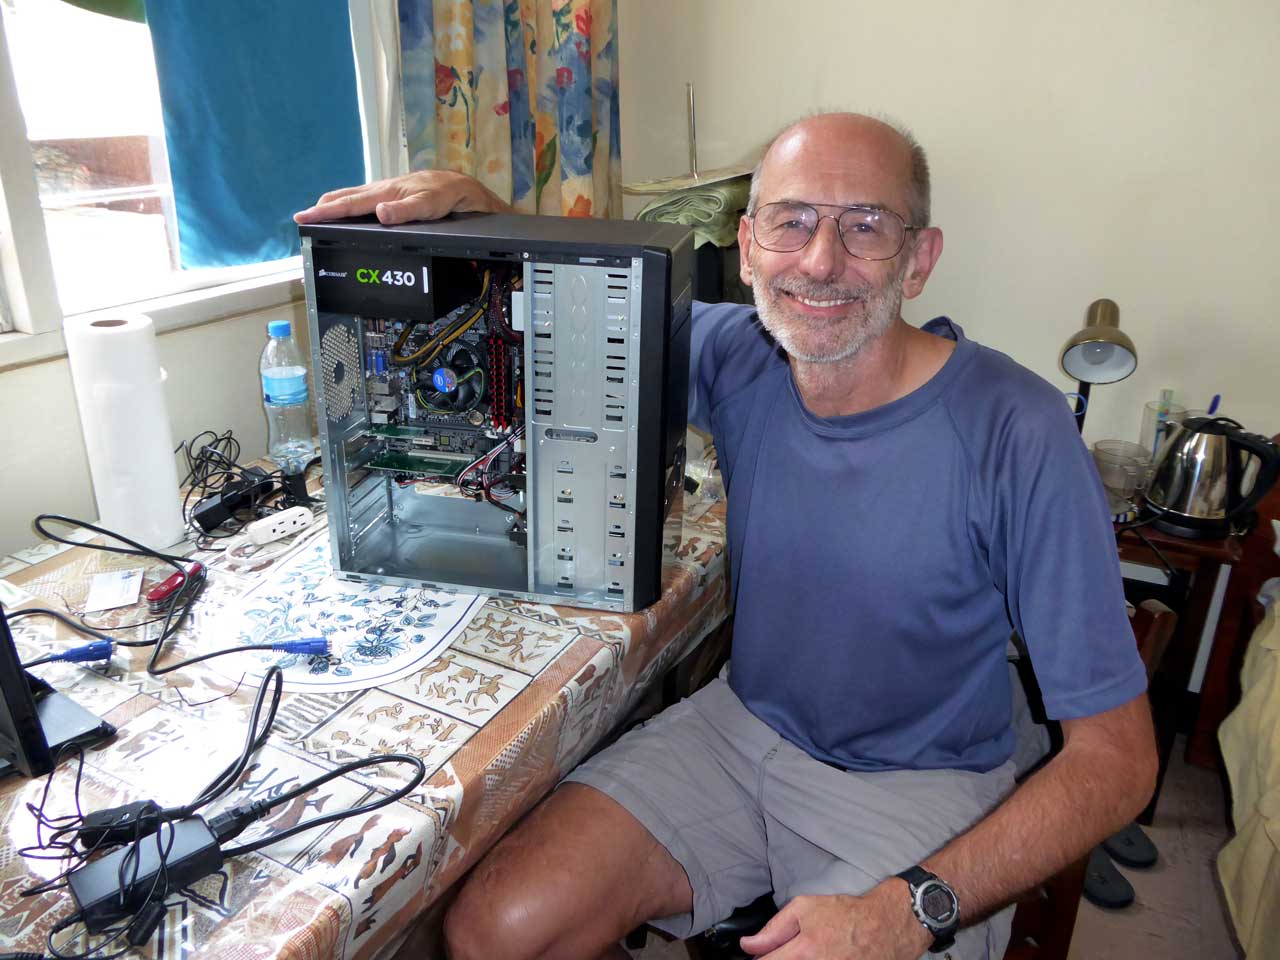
<point x="879" y="311"/>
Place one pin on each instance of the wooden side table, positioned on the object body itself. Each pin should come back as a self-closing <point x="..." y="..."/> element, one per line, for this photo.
<point x="1197" y="563"/>
<point x="1220" y="691"/>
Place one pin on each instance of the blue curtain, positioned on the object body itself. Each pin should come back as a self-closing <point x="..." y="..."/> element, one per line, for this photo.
<point x="260" y="118"/>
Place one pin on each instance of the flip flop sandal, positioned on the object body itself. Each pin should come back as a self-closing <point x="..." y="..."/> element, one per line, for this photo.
<point x="1104" y="885"/>
<point x="1132" y="848"/>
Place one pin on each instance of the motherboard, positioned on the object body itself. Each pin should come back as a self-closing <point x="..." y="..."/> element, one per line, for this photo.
<point x="446" y="395"/>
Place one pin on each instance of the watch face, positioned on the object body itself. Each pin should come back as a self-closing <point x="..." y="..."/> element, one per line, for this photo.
<point x="938" y="902"/>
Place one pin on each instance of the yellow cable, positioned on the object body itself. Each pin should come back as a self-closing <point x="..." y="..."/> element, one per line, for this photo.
<point x="395" y="358"/>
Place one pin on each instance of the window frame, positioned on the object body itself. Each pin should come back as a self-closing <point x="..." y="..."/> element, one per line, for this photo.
<point x="25" y="265"/>
<point x="27" y="280"/>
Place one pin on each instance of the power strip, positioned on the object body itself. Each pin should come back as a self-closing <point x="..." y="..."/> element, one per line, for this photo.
<point x="279" y="525"/>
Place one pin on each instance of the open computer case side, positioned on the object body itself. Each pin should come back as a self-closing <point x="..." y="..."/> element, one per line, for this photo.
<point x="588" y="435"/>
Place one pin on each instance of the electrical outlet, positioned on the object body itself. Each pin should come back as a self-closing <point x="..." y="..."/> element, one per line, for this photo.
<point x="279" y="525"/>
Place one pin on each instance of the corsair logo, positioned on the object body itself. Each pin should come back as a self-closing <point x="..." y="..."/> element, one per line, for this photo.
<point x="333" y="273"/>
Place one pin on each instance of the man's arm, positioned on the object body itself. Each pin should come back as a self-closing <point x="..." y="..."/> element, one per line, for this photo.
<point x="424" y="195"/>
<point x="1098" y="782"/>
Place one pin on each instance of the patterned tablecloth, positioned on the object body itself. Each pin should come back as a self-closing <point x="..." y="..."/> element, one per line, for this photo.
<point x="515" y="702"/>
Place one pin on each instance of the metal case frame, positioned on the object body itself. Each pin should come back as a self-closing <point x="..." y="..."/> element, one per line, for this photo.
<point x="606" y="307"/>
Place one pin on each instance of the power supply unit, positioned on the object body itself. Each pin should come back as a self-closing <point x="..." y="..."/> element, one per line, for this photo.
<point x="501" y="401"/>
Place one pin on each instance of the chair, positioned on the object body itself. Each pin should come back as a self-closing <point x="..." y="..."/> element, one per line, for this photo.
<point x="1153" y="626"/>
<point x="1045" y="917"/>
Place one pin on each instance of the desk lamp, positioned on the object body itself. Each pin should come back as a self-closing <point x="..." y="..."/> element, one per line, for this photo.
<point x="1099" y="353"/>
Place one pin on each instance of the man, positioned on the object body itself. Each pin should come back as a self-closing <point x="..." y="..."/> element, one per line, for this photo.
<point x="898" y="499"/>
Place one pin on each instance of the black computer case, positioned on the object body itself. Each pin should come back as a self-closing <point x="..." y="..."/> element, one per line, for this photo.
<point x="501" y="401"/>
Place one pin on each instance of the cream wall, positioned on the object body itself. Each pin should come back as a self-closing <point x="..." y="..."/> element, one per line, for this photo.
<point x="212" y="384"/>
<point x="1080" y="150"/>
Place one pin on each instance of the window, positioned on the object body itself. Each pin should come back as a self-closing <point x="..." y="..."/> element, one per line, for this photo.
<point x="6" y="315"/>
<point x="87" y="88"/>
<point x="98" y="208"/>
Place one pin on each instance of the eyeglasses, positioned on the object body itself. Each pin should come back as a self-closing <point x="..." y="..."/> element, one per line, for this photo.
<point x="868" y="233"/>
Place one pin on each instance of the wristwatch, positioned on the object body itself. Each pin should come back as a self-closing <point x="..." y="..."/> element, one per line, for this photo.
<point x="935" y="906"/>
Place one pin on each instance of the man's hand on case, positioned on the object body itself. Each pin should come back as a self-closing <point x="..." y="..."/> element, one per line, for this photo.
<point x="424" y="195"/>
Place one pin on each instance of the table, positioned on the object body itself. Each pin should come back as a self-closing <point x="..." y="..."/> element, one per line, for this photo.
<point x="1241" y="612"/>
<point x="564" y="678"/>
<point x="1198" y="563"/>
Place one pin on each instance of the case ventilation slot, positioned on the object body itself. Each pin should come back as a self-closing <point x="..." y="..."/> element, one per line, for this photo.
<point x="617" y="350"/>
<point x="543" y="343"/>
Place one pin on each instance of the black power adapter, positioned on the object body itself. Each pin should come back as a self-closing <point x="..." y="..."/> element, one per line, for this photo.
<point x="253" y="487"/>
<point x="129" y="879"/>
<point x="132" y="821"/>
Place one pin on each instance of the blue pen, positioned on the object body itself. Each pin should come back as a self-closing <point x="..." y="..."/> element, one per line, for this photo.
<point x="1213" y="404"/>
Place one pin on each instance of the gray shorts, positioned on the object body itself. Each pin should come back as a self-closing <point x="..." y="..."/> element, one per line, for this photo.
<point x="745" y="812"/>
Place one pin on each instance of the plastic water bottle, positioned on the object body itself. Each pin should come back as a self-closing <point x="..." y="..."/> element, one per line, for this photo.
<point x="284" y="394"/>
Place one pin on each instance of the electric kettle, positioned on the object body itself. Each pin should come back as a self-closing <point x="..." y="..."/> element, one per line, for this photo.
<point x="1199" y="470"/>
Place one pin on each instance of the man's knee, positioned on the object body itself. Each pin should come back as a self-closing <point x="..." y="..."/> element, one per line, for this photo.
<point x="508" y="908"/>
<point x="570" y="880"/>
<point x="481" y="926"/>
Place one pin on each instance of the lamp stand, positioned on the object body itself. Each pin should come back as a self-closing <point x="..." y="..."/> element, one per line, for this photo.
<point x="1082" y="403"/>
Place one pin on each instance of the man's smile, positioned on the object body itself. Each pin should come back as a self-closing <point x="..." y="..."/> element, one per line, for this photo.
<point x="821" y="303"/>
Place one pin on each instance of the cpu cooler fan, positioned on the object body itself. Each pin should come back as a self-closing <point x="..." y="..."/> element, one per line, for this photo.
<point x="453" y="385"/>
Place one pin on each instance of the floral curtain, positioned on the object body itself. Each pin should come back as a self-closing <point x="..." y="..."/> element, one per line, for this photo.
<point x="521" y="94"/>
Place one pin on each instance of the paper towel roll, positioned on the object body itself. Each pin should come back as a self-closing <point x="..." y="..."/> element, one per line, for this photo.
<point x="120" y="393"/>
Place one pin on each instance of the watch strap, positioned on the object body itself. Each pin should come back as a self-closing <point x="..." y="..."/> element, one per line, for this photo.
<point x="944" y="937"/>
<point x="915" y="876"/>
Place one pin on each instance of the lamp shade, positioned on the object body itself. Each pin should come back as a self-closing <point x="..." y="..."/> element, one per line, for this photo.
<point x="1100" y="353"/>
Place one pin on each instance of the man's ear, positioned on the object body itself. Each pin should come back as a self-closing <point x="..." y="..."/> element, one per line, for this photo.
<point x="744" y="250"/>
<point x="921" y="260"/>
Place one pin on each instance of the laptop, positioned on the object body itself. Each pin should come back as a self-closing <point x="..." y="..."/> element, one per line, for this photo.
<point x="36" y="722"/>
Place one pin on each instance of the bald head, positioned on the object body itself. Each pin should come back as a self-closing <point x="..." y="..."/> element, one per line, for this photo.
<point x="882" y="146"/>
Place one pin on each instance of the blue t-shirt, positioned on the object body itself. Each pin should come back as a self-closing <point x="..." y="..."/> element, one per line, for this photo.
<point x="880" y="560"/>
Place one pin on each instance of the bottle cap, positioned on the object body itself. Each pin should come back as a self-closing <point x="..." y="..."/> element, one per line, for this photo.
<point x="279" y="328"/>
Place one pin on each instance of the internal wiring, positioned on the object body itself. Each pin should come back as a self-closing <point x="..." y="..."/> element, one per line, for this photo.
<point x="498" y="499"/>
<point x="431" y="349"/>
<point x="475" y="481"/>
<point x="482" y="463"/>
